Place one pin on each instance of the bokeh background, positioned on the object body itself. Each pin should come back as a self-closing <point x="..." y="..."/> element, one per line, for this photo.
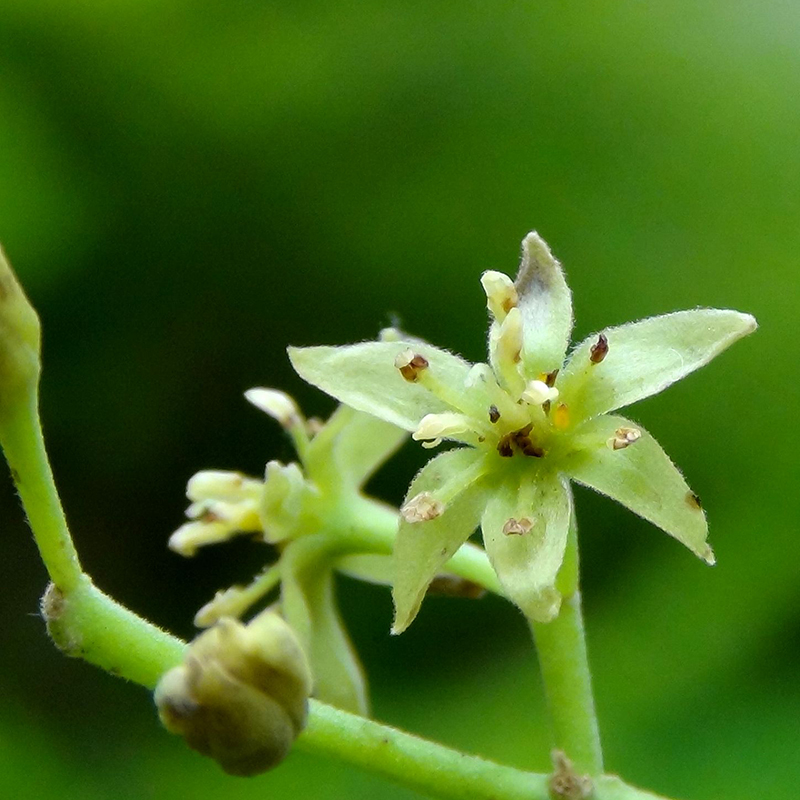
<point x="186" y="187"/>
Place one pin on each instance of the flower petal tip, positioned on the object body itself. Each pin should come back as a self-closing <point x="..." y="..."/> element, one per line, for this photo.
<point x="708" y="556"/>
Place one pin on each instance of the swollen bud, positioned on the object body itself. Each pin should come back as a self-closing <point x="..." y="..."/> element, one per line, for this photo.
<point x="20" y="339"/>
<point x="241" y="694"/>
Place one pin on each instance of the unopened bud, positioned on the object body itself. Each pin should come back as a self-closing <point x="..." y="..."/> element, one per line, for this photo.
<point x="20" y="340"/>
<point x="241" y="694"/>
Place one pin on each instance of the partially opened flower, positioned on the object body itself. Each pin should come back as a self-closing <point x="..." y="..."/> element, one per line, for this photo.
<point x="531" y="423"/>
<point x="307" y="511"/>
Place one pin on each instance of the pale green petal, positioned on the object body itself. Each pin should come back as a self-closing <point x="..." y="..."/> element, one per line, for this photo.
<point x="365" y="377"/>
<point x="546" y="305"/>
<point x="351" y="446"/>
<point x="422" y="548"/>
<point x="525" y="534"/>
<point x="309" y="606"/>
<point x="641" y="477"/>
<point x="645" y="357"/>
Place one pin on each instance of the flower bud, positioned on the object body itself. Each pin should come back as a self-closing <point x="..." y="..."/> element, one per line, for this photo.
<point x="241" y="694"/>
<point x="20" y="338"/>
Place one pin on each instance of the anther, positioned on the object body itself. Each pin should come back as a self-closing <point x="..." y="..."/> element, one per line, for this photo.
<point x="561" y="416"/>
<point x="411" y="364"/>
<point x="517" y="527"/>
<point x="693" y="501"/>
<point x="599" y="349"/>
<point x="501" y="296"/>
<point x="624" y="437"/>
<point x="494" y="414"/>
<point x="422" y="508"/>
<point x="538" y="392"/>
<point x="550" y="378"/>
<point x="504" y="446"/>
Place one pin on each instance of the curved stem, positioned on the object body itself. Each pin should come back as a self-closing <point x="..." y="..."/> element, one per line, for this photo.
<point x="561" y="647"/>
<point x="23" y="443"/>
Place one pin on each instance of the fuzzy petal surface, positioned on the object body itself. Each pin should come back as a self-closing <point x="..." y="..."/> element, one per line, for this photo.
<point x="365" y="377"/>
<point x="527" y="561"/>
<point x="645" y="357"/>
<point x="545" y="302"/>
<point x="422" y="548"/>
<point x="352" y="445"/>
<point x="640" y="477"/>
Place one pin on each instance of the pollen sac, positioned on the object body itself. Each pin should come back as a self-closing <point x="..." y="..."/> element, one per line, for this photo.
<point x="517" y="527"/>
<point x="599" y="349"/>
<point x="561" y="416"/>
<point x="422" y="508"/>
<point x="411" y="364"/>
<point x="436" y="426"/>
<point x="624" y="437"/>
<point x="538" y="393"/>
<point x="277" y="404"/>
<point x="501" y="294"/>
<point x="241" y="694"/>
<point x="494" y="414"/>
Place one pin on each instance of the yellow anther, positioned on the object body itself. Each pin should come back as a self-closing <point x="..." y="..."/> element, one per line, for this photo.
<point x="561" y="416"/>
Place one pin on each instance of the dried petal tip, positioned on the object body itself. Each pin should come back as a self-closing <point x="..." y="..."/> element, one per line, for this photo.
<point x="599" y="349"/>
<point x="624" y="437"/>
<point x="501" y="295"/>
<point x="565" y="782"/>
<point x="277" y="404"/>
<point x="517" y="527"/>
<point x="241" y="694"/>
<point x="411" y="365"/>
<point x="708" y="556"/>
<point x="422" y="508"/>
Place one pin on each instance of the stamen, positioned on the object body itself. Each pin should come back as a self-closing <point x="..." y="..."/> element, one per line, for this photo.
<point x="501" y="296"/>
<point x="624" y="437"/>
<point x="693" y="500"/>
<point x="550" y="378"/>
<point x="522" y="440"/>
<point x="561" y="416"/>
<point x="435" y="426"/>
<point x="504" y="446"/>
<point x="277" y="404"/>
<point x="410" y="364"/>
<point x="538" y="393"/>
<point x="599" y="349"/>
<point x="517" y="527"/>
<point x="494" y="414"/>
<point x="422" y="508"/>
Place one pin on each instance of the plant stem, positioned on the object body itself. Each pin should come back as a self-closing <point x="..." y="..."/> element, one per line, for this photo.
<point x="561" y="647"/>
<point x="372" y="525"/>
<point x="23" y="443"/>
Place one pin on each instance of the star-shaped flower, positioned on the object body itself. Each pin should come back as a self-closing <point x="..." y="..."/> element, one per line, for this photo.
<point x="531" y="424"/>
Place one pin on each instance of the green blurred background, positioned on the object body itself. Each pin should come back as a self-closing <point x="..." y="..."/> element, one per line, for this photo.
<point x="187" y="187"/>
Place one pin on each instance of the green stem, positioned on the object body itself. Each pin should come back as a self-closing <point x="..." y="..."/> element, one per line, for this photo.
<point x="372" y="526"/>
<point x="93" y="626"/>
<point x="561" y="647"/>
<point x="23" y="443"/>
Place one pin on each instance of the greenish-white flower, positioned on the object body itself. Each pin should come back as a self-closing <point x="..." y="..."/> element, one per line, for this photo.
<point x="531" y="422"/>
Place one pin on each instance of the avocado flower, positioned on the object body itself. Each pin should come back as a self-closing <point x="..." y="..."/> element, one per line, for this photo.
<point x="531" y="422"/>
<point x="314" y="513"/>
